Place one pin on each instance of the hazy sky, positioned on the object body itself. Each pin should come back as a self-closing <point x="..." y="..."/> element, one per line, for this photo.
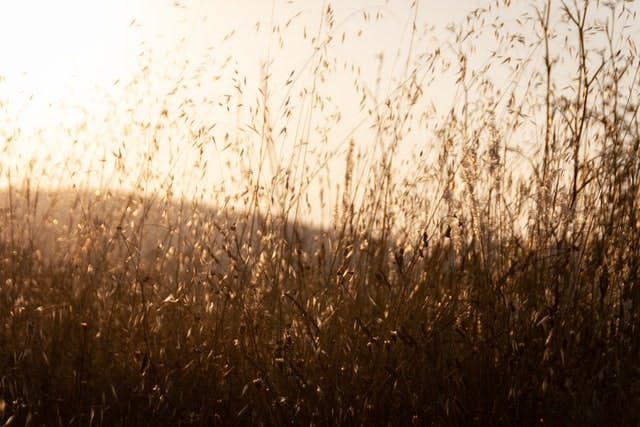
<point x="68" y="49"/>
<point x="76" y="72"/>
<point x="60" y="59"/>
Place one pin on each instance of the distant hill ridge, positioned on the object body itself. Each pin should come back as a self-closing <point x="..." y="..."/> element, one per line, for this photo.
<point x="153" y="233"/>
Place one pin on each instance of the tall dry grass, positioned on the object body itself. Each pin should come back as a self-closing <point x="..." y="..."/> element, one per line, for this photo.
<point x="491" y="279"/>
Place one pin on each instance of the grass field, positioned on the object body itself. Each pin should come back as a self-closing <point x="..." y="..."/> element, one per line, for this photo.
<point x="446" y="289"/>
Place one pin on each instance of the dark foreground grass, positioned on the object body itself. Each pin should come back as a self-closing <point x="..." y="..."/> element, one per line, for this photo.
<point x="449" y="289"/>
<point x="301" y="327"/>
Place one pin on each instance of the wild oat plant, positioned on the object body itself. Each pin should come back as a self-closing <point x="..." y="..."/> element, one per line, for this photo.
<point x="490" y="277"/>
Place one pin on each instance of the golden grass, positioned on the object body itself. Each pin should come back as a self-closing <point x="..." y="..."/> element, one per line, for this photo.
<point x="460" y="293"/>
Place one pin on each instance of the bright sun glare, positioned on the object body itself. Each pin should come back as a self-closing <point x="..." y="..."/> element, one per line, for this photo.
<point x="56" y="51"/>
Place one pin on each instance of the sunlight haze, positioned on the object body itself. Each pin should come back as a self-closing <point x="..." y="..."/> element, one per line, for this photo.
<point x="85" y="80"/>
